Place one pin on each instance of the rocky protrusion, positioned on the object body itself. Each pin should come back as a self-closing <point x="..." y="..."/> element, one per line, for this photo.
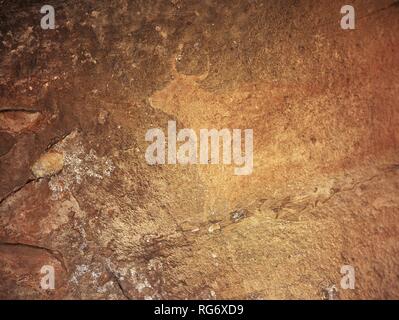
<point x="17" y="121"/>
<point x="6" y="143"/>
<point x="48" y="164"/>
<point x="238" y="215"/>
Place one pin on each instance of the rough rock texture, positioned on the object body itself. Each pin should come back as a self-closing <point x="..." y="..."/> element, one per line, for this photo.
<point x="324" y="106"/>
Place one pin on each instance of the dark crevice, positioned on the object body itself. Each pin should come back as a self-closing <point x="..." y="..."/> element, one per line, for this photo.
<point x="20" y="110"/>
<point x="16" y="190"/>
<point x="57" y="140"/>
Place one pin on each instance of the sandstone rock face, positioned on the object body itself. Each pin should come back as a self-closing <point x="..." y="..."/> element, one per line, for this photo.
<point x="78" y="198"/>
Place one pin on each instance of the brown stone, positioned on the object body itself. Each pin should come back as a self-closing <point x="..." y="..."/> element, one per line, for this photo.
<point x="48" y="164"/>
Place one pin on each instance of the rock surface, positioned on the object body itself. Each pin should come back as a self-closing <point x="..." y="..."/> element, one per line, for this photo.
<point x="324" y="193"/>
